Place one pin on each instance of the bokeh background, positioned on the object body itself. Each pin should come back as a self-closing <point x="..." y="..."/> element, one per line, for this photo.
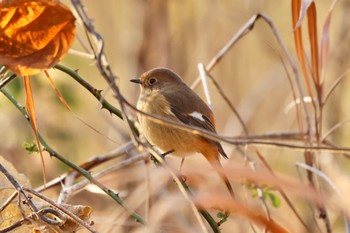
<point x="140" y="35"/>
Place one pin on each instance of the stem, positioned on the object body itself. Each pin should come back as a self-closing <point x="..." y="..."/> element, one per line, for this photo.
<point x="97" y="93"/>
<point x="83" y="172"/>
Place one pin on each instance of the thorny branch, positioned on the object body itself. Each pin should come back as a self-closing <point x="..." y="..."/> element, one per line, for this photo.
<point x="107" y="73"/>
<point x="260" y="140"/>
<point x="102" y="62"/>
<point x="63" y="159"/>
<point x="41" y="213"/>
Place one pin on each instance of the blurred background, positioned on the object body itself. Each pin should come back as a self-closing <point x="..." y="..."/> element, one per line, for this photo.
<point x="140" y="35"/>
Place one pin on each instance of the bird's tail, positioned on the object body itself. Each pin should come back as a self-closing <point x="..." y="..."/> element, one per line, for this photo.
<point x="213" y="158"/>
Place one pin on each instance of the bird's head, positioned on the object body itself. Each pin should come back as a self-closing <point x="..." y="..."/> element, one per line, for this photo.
<point x="158" y="79"/>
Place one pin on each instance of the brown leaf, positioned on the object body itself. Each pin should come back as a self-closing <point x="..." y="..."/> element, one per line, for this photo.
<point x="313" y="37"/>
<point x="14" y="211"/>
<point x="297" y="11"/>
<point x="305" y="4"/>
<point x="5" y="183"/>
<point x="238" y="209"/>
<point x="32" y="116"/>
<point x="35" y="34"/>
<point x="11" y="212"/>
<point x="83" y="212"/>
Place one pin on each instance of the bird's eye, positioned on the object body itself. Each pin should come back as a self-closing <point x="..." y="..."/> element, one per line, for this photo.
<point x="152" y="81"/>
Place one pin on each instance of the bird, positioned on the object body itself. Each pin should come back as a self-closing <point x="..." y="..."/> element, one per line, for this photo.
<point x="165" y="94"/>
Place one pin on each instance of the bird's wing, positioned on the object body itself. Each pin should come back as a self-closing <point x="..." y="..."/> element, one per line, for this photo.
<point x="198" y="115"/>
<point x="195" y="119"/>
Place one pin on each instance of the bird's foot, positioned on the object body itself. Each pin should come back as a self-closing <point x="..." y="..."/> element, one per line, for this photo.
<point x="155" y="160"/>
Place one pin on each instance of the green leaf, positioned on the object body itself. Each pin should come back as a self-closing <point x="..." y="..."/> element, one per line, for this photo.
<point x="275" y="200"/>
<point x="266" y="194"/>
<point x="30" y="147"/>
<point x="222" y="216"/>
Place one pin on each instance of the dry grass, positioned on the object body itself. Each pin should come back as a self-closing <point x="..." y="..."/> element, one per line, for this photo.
<point x="258" y="81"/>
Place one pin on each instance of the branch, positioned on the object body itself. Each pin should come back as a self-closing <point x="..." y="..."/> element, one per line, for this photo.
<point x="97" y="93"/>
<point x="63" y="159"/>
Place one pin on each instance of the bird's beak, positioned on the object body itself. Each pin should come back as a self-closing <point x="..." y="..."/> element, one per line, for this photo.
<point x="136" y="81"/>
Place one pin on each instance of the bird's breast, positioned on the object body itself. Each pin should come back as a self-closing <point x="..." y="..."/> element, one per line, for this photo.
<point x="165" y="137"/>
<point x="154" y="103"/>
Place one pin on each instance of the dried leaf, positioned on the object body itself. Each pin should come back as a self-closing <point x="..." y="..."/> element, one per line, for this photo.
<point x="64" y="102"/>
<point x="325" y="39"/>
<point x="313" y="37"/>
<point x="20" y="178"/>
<point x="13" y="212"/>
<point x="307" y="7"/>
<point x="255" y="216"/>
<point x="58" y="93"/>
<point x="32" y="116"/>
<point x="35" y="34"/>
<point x="83" y="212"/>
<point x="298" y="38"/>
<point x="303" y="9"/>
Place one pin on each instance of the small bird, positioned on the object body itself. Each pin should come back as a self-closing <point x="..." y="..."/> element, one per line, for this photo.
<point x="163" y="93"/>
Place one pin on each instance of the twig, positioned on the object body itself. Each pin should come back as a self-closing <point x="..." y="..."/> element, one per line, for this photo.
<point x="148" y="188"/>
<point x="103" y="64"/>
<point x="97" y="93"/>
<point x="203" y="212"/>
<point x="66" y="191"/>
<point x="215" y="137"/>
<point x="34" y="209"/>
<point x="283" y="194"/>
<point x="7" y="80"/>
<point x="63" y="159"/>
<point x="247" y="27"/>
<point x="252" y="166"/>
<point x="95" y="161"/>
<point x="334" y="85"/>
<point x="81" y="54"/>
<point x="84" y="45"/>
<point x="19" y="188"/>
<point x="309" y="204"/>
<point x="331" y="183"/>
<point x="16" y="225"/>
<point x="8" y="201"/>
<point x="233" y="109"/>
<point x="202" y="74"/>
<point x="294" y="95"/>
<point x="335" y="127"/>
<point x="61" y="208"/>
<point x="277" y="135"/>
<point x="181" y="185"/>
<point x="106" y="72"/>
